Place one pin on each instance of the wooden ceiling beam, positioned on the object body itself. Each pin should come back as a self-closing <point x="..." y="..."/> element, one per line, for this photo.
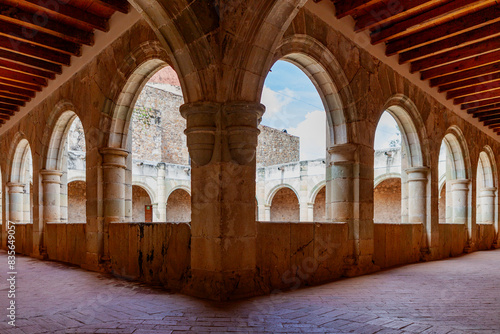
<point x="477" y="97"/>
<point x="469" y="82"/>
<point x="492" y="123"/>
<point x="425" y="36"/>
<point x="60" y="8"/>
<point x="461" y="65"/>
<point x="36" y="37"/>
<point x="479" y="104"/>
<point x="393" y="31"/>
<point x="455" y="55"/>
<point x="486" y="113"/>
<point x="24" y="78"/>
<point x="489" y="117"/>
<point x="30" y="61"/>
<point x="34" y="51"/>
<point x="7" y="89"/>
<point x="26" y="69"/>
<point x="47" y="25"/>
<point x="21" y="85"/>
<point x="8" y="107"/>
<point x="383" y="11"/>
<point x="452" y="42"/>
<point x="491" y="107"/>
<point x="457" y="77"/>
<point x="121" y="6"/>
<point x="473" y="89"/>
<point x="14" y="96"/>
<point x="12" y="101"/>
<point x="4" y="117"/>
<point x="345" y="8"/>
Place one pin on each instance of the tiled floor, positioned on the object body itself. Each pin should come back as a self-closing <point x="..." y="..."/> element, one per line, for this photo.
<point x="459" y="295"/>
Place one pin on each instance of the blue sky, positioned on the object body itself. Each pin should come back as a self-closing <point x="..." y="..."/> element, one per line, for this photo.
<point x="292" y="103"/>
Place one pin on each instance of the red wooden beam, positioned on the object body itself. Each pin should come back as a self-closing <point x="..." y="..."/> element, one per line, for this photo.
<point x="344" y="8"/>
<point x="477" y="97"/>
<point x="22" y="85"/>
<point x="452" y="42"/>
<point x="462" y="65"/>
<point x="5" y="93"/>
<point x="488" y="108"/>
<point x="489" y="118"/>
<point x="13" y="91"/>
<point x="54" y="8"/>
<point x="34" y="51"/>
<point x="4" y="117"/>
<point x="486" y="113"/>
<point x="470" y="82"/>
<point x="456" y="77"/>
<point x="21" y="77"/>
<point x="425" y="36"/>
<point x="384" y="11"/>
<point x="47" y="25"/>
<point x="12" y="101"/>
<point x="473" y="89"/>
<point x="26" y="69"/>
<point x="479" y="104"/>
<point x="30" y="61"/>
<point x="385" y="34"/>
<point x="9" y="107"/>
<point x="116" y="5"/>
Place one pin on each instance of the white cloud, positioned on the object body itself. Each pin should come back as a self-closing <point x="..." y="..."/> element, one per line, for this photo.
<point x="276" y="102"/>
<point x="386" y="131"/>
<point x="312" y="133"/>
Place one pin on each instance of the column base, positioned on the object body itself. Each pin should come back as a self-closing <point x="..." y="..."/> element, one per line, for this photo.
<point x="364" y="265"/>
<point x="495" y="245"/>
<point x="222" y="286"/>
<point x="425" y="254"/>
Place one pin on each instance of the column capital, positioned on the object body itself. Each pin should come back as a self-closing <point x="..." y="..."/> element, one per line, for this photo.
<point x="460" y="184"/>
<point x="114" y="157"/>
<point x="343" y="152"/>
<point x="15" y="187"/>
<point x="417" y="173"/>
<point x="488" y="192"/>
<point x="51" y="176"/>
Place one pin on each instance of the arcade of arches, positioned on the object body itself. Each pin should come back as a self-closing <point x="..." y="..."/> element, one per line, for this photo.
<point x="98" y="174"/>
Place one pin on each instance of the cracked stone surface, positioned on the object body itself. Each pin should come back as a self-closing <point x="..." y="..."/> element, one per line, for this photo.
<point x="457" y="295"/>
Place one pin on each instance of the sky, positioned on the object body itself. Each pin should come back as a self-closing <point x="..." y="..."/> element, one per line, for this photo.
<point x="387" y="130"/>
<point x="292" y="103"/>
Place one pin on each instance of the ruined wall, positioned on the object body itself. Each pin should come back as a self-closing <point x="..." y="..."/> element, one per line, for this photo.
<point x="140" y="199"/>
<point x="77" y="200"/>
<point x="319" y="210"/>
<point x="276" y="147"/>
<point x="285" y="206"/>
<point x="179" y="206"/>
<point x="387" y="202"/>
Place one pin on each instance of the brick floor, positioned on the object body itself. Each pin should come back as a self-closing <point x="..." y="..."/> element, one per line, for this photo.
<point x="459" y="295"/>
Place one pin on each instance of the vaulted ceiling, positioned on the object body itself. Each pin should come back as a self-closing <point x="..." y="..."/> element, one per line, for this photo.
<point x="453" y="44"/>
<point x="38" y="38"/>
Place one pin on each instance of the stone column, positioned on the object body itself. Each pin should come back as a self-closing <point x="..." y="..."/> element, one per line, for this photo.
<point x="303" y="193"/>
<point x="417" y="203"/>
<point x="460" y="205"/>
<point x="114" y="178"/>
<point x="487" y="197"/>
<point x="349" y="198"/>
<point x="51" y="183"/>
<point x="160" y="209"/>
<point x="310" y="211"/>
<point x="16" y="210"/>
<point x="222" y="141"/>
<point x="267" y="212"/>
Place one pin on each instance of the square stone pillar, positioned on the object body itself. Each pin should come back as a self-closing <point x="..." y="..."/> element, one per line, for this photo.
<point x="51" y="182"/>
<point x="222" y="141"/>
<point x="349" y="198"/>
<point x="417" y="204"/>
<point x="160" y="209"/>
<point x="114" y="183"/>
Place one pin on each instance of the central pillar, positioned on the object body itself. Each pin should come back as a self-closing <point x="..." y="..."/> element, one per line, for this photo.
<point x="222" y="141"/>
<point x="16" y="209"/>
<point x="114" y="179"/>
<point x="349" y="199"/>
<point x="417" y="204"/>
<point x="51" y="181"/>
<point x="160" y="212"/>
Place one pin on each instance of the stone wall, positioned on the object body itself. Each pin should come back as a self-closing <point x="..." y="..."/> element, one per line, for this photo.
<point x="179" y="206"/>
<point x="140" y="199"/>
<point x="319" y="211"/>
<point x="285" y="206"/>
<point x="276" y="147"/>
<point x="387" y="202"/>
<point x="77" y="198"/>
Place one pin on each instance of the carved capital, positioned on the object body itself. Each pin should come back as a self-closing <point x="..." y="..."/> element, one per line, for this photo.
<point x="114" y="157"/>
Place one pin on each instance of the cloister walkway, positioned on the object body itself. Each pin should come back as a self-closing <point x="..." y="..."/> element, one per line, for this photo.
<point x="457" y="295"/>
